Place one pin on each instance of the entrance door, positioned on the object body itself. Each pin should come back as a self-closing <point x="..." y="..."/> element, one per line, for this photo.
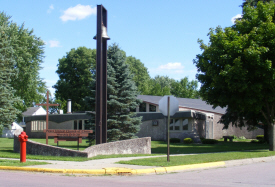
<point x="209" y="129"/>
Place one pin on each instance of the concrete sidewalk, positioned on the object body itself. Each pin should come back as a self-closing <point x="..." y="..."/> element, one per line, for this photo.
<point x="108" y="166"/>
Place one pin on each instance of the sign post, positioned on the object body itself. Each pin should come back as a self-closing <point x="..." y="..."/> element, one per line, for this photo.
<point x="168" y="105"/>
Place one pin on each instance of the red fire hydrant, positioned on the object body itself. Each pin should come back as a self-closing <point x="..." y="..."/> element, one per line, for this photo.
<point x="23" y="137"/>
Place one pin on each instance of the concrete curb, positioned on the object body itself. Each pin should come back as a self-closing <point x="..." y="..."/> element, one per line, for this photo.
<point x="116" y="171"/>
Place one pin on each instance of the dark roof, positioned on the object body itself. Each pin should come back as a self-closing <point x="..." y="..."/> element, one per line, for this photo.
<point x="195" y="104"/>
<point x="146" y="116"/>
<point x="30" y="111"/>
<point x="59" y="118"/>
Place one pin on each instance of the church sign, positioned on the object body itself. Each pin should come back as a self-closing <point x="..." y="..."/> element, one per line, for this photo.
<point x="62" y="132"/>
<point x="67" y="135"/>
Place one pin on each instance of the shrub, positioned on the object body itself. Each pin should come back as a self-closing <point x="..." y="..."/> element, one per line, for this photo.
<point x="174" y="140"/>
<point x="187" y="140"/>
<point x="242" y="138"/>
<point x="209" y="141"/>
<point x="202" y="138"/>
<point x="260" y="137"/>
<point x="254" y="141"/>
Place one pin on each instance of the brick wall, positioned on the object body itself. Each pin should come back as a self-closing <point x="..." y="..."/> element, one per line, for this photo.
<point x="219" y="132"/>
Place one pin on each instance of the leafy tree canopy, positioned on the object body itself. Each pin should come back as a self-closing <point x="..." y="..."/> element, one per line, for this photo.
<point x="236" y="69"/>
<point x="140" y="73"/>
<point x="27" y="54"/>
<point x="75" y="70"/>
<point x="254" y="2"/>
<point x="8" y="101"/>
<point x="185" y="89"/>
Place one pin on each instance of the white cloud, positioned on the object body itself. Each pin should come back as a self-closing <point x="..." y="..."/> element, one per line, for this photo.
<point x="78" y="12"/>
<point x="174" y="70"/>
<point x="171" y="66"/>
<point x="175" y="67"/>
<point x="50" y="9"/>
<point x="170" y="69"/>
<point x="236" y="17"/>
<point x="54" y="43"/>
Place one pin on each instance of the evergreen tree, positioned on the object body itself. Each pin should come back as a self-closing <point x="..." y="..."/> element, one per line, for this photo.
<point x="8" y="101"/>
<point x="121" y="97"/>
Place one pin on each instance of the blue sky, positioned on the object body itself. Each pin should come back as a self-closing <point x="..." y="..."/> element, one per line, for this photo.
<point x="162" y="34"/>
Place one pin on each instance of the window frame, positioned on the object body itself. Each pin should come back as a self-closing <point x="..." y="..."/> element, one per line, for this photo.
<point x="181" y="120"/>
<point x="38" y="126"/>
<point x="77" y="125"/>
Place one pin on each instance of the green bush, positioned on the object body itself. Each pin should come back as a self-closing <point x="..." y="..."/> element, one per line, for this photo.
<point x="174" y="140"/>
<point x="260" y="137"/>
<point x="202" y="138"/>
<point x="187" y="140"/>
<point x="209" y="141"/>
<point x="242" y="138"/>
<point x="254" y="141"/>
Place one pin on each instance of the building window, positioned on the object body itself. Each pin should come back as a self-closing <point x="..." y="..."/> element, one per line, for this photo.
<point x="152" y="108"/>
<point x="185" y="125"/>
<point x="142" y="107"/>
<point x="79" y="124"/>
<point x="38" y="126"/>
<point x="179" y="125"/>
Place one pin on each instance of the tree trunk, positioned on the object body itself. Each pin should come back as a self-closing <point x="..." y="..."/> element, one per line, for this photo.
<point x="271" y="131"/>
<point x="266" y="134"/>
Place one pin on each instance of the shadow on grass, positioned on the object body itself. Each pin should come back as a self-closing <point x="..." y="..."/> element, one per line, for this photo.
<point x="207" y="148"/>
<point x="7" y="151"/>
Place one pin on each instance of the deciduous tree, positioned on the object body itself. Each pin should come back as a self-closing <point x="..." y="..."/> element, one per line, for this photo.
<point x="236" y="69"/>
<point x="8" y="100"/>
<point x="28" y="56"/>
<point x="185" y="88"/>
<point x="140" y="74"/>
<point x="76" y="71"/>
<point x="254" y="2"/>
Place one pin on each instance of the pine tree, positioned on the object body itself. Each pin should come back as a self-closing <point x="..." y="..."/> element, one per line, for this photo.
<point x="121" y="97"/>
<point x="8" y="111"/>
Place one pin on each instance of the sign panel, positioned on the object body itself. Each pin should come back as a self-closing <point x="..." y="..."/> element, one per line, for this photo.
<point x="163" y="104"/>
<point x="60" y="132"/>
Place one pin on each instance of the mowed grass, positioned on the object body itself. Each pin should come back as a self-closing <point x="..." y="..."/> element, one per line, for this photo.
<point x="6" y="151"/>
<point x="17" y="163"/>
<point x="157" y="148"/>
<point x="65" y="144"/>
<point x="179" y="148"/>
<point x="198" y="159"/>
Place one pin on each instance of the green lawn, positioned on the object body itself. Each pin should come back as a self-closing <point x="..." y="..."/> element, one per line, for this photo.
<point x="179" y="148"/>
<point x="65" y="144"/>
<point x="197" y="159"/>
<point x="158" y="148"/>
<point x="6" y="151"/>
<point x="17" y="163"/>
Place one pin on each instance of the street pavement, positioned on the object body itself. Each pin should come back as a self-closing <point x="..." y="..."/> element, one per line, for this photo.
<point x="109" y="166"/>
